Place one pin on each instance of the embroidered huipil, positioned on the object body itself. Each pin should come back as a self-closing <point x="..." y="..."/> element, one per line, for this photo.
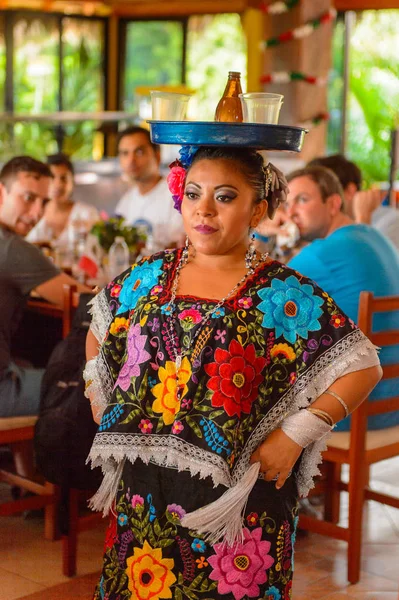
<point x="272" y="348"/>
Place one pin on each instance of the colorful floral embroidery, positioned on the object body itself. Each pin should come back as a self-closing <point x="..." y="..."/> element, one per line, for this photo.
<point x="235" y="378"/>
<point x="167" y="402"/>
<point x="283" y="351"/>
<point x="136" y="355"/>
<point x="119" y="325"/>
<point x="291" y="308"/>
<point x="138" y="284"/>
<point x="240" y="569"/>
<point x="337" y="321"/>
<point x="150" y="575"/>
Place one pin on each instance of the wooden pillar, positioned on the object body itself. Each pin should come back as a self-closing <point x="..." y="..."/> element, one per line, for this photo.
<point x="113" y="68"/>
<point x="253" y="25"/>
<point x="310" y="55"/>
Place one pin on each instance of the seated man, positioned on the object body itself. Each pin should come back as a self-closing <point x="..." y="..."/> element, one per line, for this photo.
<point x="362" y="206"/>
<point x="148" y="203"/>
<point x="24" y="191"/>
<point x="344" y="258"/>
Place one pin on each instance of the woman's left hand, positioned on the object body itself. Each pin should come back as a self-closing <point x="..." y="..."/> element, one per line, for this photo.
<point x="277" y="456"/>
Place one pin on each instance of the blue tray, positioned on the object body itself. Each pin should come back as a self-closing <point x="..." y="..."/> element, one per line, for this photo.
<point x="215" y="133"/>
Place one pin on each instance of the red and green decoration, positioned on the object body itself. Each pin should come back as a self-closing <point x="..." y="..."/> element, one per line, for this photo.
<point x="288" y="76"/>
<point x="302" y="31"/>
<point x="320" y="118"/>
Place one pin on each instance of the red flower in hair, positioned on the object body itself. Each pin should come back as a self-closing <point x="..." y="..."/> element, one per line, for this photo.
<point x="175" y="180"/>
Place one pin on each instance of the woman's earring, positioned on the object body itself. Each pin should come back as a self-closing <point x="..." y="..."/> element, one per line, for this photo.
<point x="251" y="252"/>
<point x="186" y="250"/>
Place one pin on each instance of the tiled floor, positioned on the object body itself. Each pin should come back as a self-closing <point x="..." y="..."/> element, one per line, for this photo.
<point x="29" y="564"/>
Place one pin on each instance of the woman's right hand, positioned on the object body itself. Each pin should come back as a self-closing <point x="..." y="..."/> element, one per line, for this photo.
<point x="277" y="456"/>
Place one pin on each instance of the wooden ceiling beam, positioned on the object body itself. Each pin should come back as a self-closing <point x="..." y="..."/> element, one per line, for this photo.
<point x="343" y="5"/>
<point x="180" y="8"/>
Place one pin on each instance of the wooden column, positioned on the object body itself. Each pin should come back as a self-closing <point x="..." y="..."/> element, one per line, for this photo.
<point x="312" y="56"/>
<point x="113" y="67"/>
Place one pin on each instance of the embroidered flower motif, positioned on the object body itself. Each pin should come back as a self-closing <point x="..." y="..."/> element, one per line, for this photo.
<point x="177" y="427"/>
<point x="221" y="335"/>
<point x="122" y="519"/>
<point x="137" y="501"/>
<point x="337" y="321"/>
<point x="145" y="426"/>
<point x="291" y="308"/>
<point x="140" y="281"/>
<point x="119" y="325"/>
<point x="235" y="378"/>
<point x="176" y="511"/>
<point x="293" y="377"/>
<point x="166" y="309"/>
<point x="150" y="575"/>
<point x="198" y="545"/>
<point x="167" y="402"/>
<point x="175" y="181"/>
<point x="111" y="534"/>
<point x="283" y="351"/>
<point x="136" y="355"/>
<point x="288" y="591"/>
<point x="186" y="403"/>
<point x="252" y="519"/>
<point x="219" y="312"/>
<point x="272" y="594"/>
<point x="201" y="562"/>
<point x="157" y="289"/>
<point x="115" y="290"/>
<point x="154" y="324"/>
<point x="239" y="569"/>
<point x="245" y="302"/>
<point x="188" y="318"/>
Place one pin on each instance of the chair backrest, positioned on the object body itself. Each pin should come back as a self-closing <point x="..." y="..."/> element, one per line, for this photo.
<point x="368" y="307"/>
<point x="70" y="304"/>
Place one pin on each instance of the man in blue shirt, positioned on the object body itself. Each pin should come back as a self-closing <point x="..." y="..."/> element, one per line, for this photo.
<point x="344" y="259"/>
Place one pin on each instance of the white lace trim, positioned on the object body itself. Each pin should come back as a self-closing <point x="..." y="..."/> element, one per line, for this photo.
<point x="352" y="353"/>
<point x="101" y="315"/>
<point x="94" y="389"/>
<point x="163" y="450"/>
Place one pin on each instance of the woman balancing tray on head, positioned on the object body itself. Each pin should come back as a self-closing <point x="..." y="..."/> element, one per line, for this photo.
<point x="215" y="374"/>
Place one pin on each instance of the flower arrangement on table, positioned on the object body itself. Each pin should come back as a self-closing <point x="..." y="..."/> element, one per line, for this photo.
<point x="108" y="228"/>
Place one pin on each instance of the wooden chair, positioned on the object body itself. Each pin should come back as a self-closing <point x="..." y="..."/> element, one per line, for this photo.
<point x="71" y="497"/>
<point x="21" y="429"/>
<point x="359" y="448"/>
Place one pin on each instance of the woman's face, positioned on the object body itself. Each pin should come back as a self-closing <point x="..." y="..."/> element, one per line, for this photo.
<point x="218" y="206"/>
<point x="61" y="187"/>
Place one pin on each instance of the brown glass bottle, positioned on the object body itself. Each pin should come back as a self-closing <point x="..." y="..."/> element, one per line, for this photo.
<point x="229" y="106"/>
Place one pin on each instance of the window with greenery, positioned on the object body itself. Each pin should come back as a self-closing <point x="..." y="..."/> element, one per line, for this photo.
<point x="154" y="55"/>
<point x="373" y="97"/>
<point x="57" y="64"/>
<point x="215" y="45"/>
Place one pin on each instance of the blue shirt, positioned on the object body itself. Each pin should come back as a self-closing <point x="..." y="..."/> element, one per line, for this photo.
<point x="350" y="260"/>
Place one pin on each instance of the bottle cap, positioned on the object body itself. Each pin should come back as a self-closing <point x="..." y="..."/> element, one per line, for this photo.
<point x="234" y="74"/>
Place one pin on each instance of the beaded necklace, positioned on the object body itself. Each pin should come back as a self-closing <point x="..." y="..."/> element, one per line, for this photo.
<point x="251" y="266"/>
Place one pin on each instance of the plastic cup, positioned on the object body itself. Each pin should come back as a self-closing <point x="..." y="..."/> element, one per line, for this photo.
<point x="169" y="106"/>
<point x="260" y="107"/>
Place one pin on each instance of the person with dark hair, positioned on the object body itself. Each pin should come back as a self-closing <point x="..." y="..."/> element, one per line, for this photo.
<point x="344" y="258"/>
<point x="24" y="192"/>
<point x="63" y="219"/>
<point x="363" y="206"/>
<point x="208" y="373"/>
<point x="148" y="203"/>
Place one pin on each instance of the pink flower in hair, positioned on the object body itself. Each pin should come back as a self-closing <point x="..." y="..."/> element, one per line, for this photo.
<point x="175" y="181"/>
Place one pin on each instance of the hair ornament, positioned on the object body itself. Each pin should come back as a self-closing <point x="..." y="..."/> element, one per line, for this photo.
<point x="177" y="175"/>
<point x="276" y="188"/>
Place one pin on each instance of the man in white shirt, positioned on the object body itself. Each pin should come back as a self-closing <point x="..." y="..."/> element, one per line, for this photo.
<point x="363" y="206"/>
<point x="149" y="202"/>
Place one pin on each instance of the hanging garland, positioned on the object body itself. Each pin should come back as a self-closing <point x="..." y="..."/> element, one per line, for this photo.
<point x="277" y="8"/>
<point x="302" y="31"/>
<point x="288" y="76"/>
<point x="320" y="118"/>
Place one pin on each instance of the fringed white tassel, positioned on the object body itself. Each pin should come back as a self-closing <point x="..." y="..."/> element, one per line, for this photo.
<point x="224" y="517"/>
<point x="106" y="493"/>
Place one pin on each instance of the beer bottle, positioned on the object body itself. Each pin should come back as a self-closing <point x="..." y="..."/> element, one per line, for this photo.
<point x="229" y="106"/>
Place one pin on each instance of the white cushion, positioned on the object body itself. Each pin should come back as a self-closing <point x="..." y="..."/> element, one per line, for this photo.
<point x="374" y="439"/>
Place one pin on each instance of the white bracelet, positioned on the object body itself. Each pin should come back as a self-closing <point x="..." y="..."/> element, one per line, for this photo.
<point x="303" y="427"/>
